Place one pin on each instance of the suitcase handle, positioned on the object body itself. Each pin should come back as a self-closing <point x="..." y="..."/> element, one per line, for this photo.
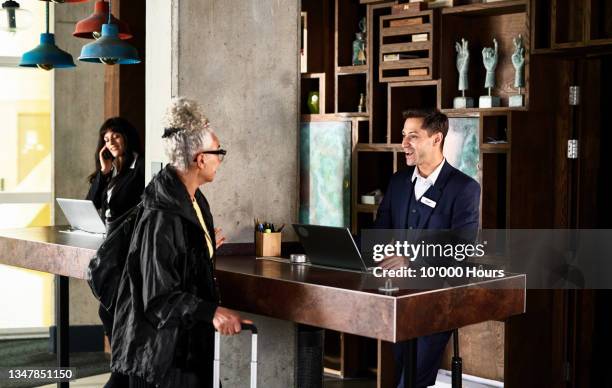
<point x="249" y="326"/>
<point x="217" y="355"/>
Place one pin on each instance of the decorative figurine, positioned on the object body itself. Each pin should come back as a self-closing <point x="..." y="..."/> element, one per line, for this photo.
<point x="359" y="45"/>
<point x="463" y="61"/>
<point x="313" y="103"/>
<point x="518" y="61"/>
<point x="361" y="107"/>
<point x="489" y="60"/>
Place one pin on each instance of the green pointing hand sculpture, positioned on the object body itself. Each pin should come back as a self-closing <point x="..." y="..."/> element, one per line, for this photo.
<point x="463" y="60"/>
<point x="518" y="61"/>
<point x="489" y="59"/>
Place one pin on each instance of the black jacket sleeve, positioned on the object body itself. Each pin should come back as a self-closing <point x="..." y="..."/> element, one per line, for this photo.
<point x="164" y="301"/>
<point x="97" y="188"/>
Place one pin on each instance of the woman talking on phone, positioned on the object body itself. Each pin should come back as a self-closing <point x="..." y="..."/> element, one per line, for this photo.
<point x="116" y="187"/>
<point x="118" y="181"/>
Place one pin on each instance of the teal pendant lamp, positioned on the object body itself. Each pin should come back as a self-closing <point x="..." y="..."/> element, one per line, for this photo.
<point x="47" y="55"/>
<point x="109" y="49"/>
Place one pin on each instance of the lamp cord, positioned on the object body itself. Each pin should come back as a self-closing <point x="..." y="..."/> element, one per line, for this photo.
<point x="110" y="11"/>
<point x="47" y="15"/>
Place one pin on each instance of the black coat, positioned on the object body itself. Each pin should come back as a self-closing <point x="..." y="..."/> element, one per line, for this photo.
<point x="167" y="294"/>
<point x="126" y="193"/>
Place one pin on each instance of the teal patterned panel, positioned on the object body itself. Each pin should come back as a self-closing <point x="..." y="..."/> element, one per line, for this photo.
<point x="325" y="173"/>
<point x="461" y="145"/>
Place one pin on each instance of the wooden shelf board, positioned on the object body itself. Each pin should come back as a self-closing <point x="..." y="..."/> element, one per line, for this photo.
<point x="312" y="75"/>
<point x="353" y="114"/>
<point x="348" y="70"/>
<point x="406" y="64"/>
<point x="378" y="147"/>
<point x="405" y="30"/>
<point x="501" y="109"/>
<point x="414" y="78"/>
<point x="487" y="9"/>
<point x="599" y="42"/>
<point x="487" y="148"/>
<point x="308" y="118"/>
<point x="407" y="15"/>
<point x="405" y="47"/>
<point x="363" y="208"/>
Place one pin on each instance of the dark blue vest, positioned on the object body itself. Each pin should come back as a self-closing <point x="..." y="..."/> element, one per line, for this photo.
<point x="416" y="211"/>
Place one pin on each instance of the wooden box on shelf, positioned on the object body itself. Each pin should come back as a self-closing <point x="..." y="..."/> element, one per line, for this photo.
<point x="312" y="82"/>
<point x="479" y="24"/>
<point x="407" y="46"/>
<point x="403" y="96"/>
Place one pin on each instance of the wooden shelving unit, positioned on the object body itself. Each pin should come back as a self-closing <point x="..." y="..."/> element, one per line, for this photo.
<point x="512" y="141"/>
<point x="399" y="37"/>
<point x="488" y="9"/>
<point x="570" y="25"/>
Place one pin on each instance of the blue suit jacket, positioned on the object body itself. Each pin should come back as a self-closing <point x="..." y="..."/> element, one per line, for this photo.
<point x="457" y="198"/>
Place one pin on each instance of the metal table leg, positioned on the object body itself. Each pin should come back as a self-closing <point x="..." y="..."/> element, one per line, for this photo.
<point x="457" y="376"/>
<point x="62" y="325"/>
<point x="410" y="364"/>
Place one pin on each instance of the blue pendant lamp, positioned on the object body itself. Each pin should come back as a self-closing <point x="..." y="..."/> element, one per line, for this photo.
<point x="109" y="49"/>
<point x="47" y="55"/>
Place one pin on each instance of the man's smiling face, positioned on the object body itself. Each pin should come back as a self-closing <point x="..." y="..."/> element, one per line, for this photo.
<point x="418" y="145"/>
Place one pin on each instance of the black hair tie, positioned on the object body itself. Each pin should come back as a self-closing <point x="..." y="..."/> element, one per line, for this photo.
<point x="170" y="131"/>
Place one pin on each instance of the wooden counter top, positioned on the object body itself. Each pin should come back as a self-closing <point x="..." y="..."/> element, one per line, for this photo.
<point x="333" y="299"/>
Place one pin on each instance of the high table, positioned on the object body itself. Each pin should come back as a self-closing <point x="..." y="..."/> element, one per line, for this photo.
<point x="344" y="301"/>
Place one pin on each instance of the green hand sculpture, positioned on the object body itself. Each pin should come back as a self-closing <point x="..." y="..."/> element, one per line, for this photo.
<point x="463" y="60"/>
<point x="518" y="61"/>
<point x="489" y="59"/>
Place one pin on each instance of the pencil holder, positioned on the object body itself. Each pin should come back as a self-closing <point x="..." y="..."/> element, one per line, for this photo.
<point x="267" y="244"/>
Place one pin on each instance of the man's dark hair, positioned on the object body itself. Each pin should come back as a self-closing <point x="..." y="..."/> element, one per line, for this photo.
<point x="433" y="121"/>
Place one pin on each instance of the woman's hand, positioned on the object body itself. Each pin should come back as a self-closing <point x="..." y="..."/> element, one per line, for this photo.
<point x="219" y="237"/>
<point x="228" y="322"/>
<point x="106" y="165"/>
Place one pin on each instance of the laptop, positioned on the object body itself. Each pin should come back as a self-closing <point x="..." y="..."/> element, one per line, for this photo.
<point x="330" y="246"/>
<point x="82" y="215"/>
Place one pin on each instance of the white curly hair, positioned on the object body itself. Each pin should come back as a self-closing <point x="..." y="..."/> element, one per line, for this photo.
<point x="187" y="132"/>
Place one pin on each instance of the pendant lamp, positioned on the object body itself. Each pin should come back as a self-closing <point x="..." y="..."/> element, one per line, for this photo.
<point x="91" y="26"/>
<point x="109" y="49"/>
<point x="47" y="55"/>
<point x="66" y="1"/>
<point x="13" y="18"/>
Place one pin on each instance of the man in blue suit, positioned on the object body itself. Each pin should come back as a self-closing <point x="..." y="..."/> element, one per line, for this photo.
<point x="430" y="194"/>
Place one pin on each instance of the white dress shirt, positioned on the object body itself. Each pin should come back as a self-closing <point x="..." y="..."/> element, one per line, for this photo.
<point x="423" y="184"/>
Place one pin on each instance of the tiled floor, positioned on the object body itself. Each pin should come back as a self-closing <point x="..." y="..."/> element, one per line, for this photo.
<point x="443" y="381"/>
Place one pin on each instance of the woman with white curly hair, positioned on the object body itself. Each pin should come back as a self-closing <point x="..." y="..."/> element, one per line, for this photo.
<point x="168" y="301"/>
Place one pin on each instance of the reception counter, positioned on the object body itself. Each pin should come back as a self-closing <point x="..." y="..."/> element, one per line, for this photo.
<point x="344" y="301"/>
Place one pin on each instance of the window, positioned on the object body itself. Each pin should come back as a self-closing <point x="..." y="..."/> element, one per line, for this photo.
<point x="26" y="161"/>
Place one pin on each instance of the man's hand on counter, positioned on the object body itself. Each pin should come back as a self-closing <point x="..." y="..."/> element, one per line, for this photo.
<point x="394" y="262"/>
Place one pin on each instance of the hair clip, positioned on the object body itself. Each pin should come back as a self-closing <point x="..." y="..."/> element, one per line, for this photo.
<point x="170" y="131"/>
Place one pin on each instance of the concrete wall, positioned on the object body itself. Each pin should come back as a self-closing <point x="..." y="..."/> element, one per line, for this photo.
<point x="243" y="69"/>
<point x="232" y="59"/>
<point x="77" y="116"/>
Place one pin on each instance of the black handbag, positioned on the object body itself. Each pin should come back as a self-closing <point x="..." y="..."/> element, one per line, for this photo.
<point x="106" y="266"/>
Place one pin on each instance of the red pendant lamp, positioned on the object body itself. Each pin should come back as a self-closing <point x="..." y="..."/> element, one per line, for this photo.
<point x="90" y="27"/>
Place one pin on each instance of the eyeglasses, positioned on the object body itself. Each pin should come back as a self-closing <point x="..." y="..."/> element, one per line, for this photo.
<point x="220" y="153"/>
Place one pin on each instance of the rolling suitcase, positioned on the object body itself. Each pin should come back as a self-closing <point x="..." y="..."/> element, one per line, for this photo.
<point x="217" y="361"/>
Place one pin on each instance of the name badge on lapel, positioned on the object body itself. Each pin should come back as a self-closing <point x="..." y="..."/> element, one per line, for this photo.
<point x="428" y="202"/>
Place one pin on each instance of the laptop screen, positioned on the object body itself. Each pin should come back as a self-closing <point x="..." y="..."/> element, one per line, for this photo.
<point x="330" y="246"/>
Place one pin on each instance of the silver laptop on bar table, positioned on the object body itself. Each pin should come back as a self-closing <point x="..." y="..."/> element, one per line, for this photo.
<point x="82" y="215"/>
